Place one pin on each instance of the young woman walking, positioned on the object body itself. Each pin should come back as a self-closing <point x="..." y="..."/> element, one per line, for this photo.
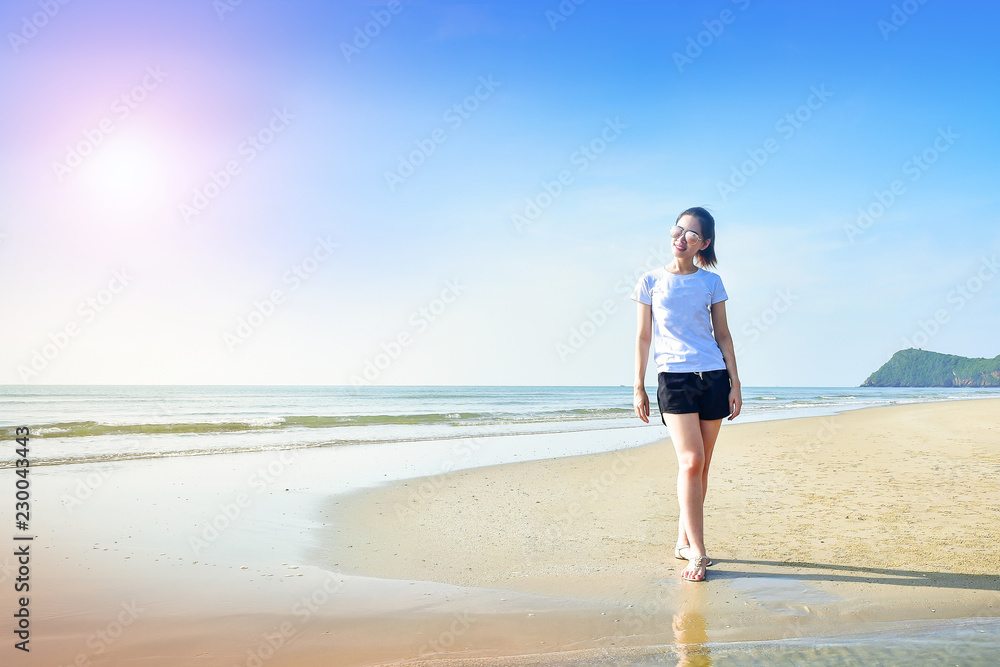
<point x="682" y="310"/>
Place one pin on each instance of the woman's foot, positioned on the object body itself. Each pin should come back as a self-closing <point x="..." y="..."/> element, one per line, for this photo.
<point x="680" y="553"/>
<point x="695" y="571"/>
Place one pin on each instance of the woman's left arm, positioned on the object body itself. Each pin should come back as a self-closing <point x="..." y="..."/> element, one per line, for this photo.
<point x="725" y="340"/>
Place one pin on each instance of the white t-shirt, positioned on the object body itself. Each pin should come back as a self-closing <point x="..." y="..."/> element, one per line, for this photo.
<point x="683" y="341"/>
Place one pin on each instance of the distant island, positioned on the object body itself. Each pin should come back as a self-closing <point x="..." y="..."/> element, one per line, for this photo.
<point x="920" y="368"/>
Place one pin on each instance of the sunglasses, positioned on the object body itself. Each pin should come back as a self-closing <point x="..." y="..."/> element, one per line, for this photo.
<point x="689" y="236"/>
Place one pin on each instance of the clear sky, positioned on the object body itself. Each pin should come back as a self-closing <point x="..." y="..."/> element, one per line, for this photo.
<point x="465" y="193"/>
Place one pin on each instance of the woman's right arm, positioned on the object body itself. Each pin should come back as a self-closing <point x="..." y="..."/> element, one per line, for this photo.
<point x="642" y="340"/>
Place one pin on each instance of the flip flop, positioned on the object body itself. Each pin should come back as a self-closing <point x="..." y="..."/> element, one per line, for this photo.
<point x="696" y="563"/>
<point x="678" y="556"/>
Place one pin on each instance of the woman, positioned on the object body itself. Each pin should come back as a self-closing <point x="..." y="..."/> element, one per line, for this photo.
<point x="682" y="310"/>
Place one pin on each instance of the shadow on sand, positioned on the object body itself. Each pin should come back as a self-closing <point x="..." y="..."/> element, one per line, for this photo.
<point x="729" y="569"/>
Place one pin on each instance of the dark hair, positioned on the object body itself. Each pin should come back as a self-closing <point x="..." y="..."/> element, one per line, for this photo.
<point x="706" y="257"/>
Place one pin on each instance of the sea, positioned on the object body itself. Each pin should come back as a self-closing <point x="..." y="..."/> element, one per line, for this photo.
<point x="82" y="423"/>
<point x="394" y="432"/>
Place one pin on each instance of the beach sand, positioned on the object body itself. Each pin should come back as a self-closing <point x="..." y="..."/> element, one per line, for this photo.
<point x="818" y="526"/>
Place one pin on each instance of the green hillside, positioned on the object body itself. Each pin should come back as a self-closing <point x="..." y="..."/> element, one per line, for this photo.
<point x="920" y="368"/>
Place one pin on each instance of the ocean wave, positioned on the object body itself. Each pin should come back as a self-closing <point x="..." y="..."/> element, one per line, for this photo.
<point x="94" y="428"/>
<point x="106" y="428"/>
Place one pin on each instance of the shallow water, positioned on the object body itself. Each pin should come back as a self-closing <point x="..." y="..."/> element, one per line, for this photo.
<point x="968" y="642"/>
<point x="782" y="595"/>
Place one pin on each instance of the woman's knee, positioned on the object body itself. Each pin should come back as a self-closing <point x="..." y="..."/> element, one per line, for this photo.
<point x="691" y="464"/>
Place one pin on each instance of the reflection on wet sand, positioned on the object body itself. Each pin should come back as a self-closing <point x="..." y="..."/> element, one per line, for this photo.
<point x="691" y="640"/>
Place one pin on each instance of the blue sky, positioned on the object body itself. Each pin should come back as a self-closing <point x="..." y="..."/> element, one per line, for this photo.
<point x="301" y="264"/>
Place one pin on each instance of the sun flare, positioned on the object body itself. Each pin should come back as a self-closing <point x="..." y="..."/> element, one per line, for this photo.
<point x="126" y="175"/>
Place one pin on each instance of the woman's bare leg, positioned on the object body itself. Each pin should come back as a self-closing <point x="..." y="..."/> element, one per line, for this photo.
<point x="685" y="433"/>
<point x="709" y="433"/>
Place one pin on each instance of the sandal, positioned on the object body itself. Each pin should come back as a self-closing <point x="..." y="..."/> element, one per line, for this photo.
<point x="678" y="556"/>
<point x="696" y="563"/>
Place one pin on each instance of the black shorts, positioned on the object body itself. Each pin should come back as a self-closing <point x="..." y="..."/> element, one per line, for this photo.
<point x="706" y="393"/>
